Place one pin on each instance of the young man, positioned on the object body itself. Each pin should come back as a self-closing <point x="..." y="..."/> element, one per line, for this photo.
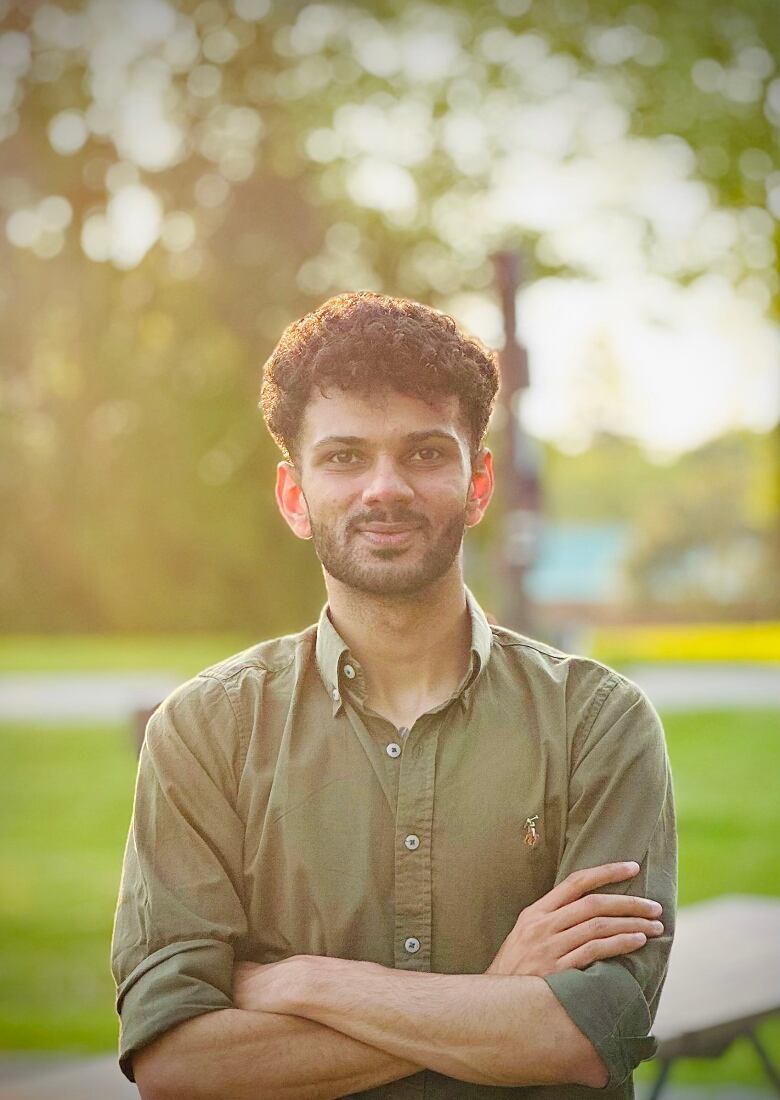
<point x="402" y="853"/>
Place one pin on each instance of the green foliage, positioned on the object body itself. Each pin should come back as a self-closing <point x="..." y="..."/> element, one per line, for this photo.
<point x="132" y="460"/>
<point x="702" y="527"/>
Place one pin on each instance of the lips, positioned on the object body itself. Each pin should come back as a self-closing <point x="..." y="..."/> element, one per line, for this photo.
<point x="388" y="528"/>
<point x="388" y="534"/>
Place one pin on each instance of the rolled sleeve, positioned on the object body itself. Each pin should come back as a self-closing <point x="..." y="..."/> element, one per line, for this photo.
<point x="621" y="807"/>
<point x="180" y="910"/>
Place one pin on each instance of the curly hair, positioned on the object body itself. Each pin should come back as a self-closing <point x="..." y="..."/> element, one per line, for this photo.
<point x="364" y="342"/>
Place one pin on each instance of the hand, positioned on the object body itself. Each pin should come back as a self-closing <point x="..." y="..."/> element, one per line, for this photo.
<point x="267" y="987"/>
<point x="566" y="930"/>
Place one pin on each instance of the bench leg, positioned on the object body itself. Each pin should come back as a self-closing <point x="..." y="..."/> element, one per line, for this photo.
<point x="660" y="1080"/>
<point x="771" y="1072"/>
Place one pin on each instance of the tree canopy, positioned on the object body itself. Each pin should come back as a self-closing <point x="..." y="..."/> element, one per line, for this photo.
<point x="180" y="180"/>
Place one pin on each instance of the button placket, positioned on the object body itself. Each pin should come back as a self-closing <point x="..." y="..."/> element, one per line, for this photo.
<point x="413" y="855"/>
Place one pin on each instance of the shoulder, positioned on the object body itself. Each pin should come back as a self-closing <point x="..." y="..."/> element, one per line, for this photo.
<point x="270" y="657"/>
<point x="212" y="707"/>
<point x="594" y="693"/>
<point x="533" y="657"/>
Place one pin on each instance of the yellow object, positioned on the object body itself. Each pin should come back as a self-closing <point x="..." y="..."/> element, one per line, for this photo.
<point x="758" y="641"/>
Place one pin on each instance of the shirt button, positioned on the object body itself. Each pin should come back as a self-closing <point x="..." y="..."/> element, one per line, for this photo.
<point x="393" y="749"/>
<point x="349" y="672"/>
<point x="336" y="696"/>
<point x="412" y="842"/>
<point x="412" y="945"/>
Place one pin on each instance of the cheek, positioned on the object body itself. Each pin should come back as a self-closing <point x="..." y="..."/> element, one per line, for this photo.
<point x="443" y="492"/>
<point x="333" y="502"/>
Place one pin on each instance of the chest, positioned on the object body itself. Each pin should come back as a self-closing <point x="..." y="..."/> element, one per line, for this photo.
<point x="415" y="852"/>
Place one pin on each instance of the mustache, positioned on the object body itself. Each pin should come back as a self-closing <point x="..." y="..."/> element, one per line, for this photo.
<point x="377" y="516"/>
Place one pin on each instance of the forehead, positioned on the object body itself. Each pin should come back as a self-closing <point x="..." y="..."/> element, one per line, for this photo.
<point x="384" y="416"/>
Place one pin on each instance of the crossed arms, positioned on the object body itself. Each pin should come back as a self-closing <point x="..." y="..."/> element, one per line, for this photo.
<point x="313" y="1028"/>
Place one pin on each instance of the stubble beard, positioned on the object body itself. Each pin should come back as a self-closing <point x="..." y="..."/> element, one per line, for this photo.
<point x="382" y="572"/>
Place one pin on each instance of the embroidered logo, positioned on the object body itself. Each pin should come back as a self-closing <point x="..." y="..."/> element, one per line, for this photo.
<point x="531" y="831"/>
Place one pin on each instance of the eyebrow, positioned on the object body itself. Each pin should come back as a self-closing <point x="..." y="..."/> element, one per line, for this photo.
<point x="408" y="440"/>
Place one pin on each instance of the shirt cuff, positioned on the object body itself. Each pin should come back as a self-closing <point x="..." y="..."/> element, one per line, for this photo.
<point x="174" y="984"/>
<point x="609" y="1008"/>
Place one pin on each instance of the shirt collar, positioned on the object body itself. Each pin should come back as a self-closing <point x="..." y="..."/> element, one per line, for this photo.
<point x="333" y="653"/>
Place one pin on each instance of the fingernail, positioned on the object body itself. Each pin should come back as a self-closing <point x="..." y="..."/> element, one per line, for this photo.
<point x="657" y="926"/>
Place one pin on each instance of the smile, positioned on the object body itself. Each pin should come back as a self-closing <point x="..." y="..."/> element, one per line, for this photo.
<point x="389" y="534"/>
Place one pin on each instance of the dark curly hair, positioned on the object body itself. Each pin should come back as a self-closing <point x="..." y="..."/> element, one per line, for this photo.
<point x="363" y="342"/>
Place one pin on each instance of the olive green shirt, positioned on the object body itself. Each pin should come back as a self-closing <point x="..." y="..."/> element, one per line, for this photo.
<point x="276" y="814"/>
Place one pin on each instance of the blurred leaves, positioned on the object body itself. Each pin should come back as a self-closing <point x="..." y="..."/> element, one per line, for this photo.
<point x="179" y="181"/>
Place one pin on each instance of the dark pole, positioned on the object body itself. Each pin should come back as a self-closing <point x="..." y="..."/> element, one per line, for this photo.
<point x="517" y="465"/>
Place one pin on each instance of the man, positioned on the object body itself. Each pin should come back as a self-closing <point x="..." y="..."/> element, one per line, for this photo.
<point x="402" y="853"/>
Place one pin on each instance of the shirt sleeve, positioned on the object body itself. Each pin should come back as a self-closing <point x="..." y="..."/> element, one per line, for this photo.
<point x="180" y="911"/>
<point x="621" y="807"/>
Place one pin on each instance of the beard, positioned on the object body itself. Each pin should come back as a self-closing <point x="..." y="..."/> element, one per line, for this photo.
<point x="382" y="571"/>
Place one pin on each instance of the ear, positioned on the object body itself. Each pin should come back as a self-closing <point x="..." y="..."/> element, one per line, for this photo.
<point x="291" y="501"/>
<point x="480" y="487"/>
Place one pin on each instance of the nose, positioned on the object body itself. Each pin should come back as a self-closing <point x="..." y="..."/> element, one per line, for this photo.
<point x="386" y="484"/>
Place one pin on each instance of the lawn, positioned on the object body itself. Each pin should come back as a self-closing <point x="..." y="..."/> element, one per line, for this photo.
<point x="65" y="798"/>
<point x="185" y="654"/>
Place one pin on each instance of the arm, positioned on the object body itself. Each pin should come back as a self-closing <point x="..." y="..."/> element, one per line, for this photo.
<point x="621" y="806"/>
<point x="487" y="1029"/>
<point x="568" y="927"/>
<point x="241" y="1055"/>
<point x="229" y="1053"/>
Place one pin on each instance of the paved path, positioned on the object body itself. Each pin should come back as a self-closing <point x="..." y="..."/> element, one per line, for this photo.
<point x="701" y="686"/>
<point x="78" y="697"/>
<point x="109" y="697"/>
<point x="22" y="1078"/>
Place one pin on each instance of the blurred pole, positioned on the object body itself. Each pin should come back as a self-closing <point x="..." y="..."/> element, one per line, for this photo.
<point x="517" y="460"/>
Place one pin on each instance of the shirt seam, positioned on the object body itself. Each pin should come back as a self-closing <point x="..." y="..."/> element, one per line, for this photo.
<point x="544" y="650"/>
<point x="258" y="666"/>
<point x="600" y="696"/>
<point x="243" y="739"/>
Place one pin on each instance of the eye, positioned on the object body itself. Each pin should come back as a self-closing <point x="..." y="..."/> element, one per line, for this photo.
<point x="427" y="454"/>
<point x="344" y="458"/>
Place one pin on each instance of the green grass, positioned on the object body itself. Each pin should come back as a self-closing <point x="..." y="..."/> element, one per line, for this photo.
<point x="185" y="654"/>
<point x="65" y="798"/>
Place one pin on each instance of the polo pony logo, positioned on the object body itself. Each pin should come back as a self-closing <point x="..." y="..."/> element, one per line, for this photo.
<point x="531" y="831"/>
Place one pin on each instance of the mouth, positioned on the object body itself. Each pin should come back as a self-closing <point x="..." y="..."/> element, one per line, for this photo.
<point x="388" y="534"/>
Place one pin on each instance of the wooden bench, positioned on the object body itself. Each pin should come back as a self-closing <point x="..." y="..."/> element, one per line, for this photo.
<point x="723" y="980"/>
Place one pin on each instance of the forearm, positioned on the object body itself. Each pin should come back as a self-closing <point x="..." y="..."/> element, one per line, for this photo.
<point x="239" y="1055"/>
<point x="488" y="1029"/>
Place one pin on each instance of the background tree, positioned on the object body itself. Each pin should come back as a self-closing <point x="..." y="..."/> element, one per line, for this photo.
<point x="178" y="181"/>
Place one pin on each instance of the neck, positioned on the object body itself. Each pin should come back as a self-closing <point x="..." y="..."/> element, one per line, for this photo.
<point x="414" y="650"/>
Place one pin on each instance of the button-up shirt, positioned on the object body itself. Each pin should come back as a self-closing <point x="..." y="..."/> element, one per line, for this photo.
<point x="277" y="814"/>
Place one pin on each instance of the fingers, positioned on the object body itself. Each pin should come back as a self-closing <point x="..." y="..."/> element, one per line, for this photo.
<point x="603" y="905"/>
<point x="582" y="882"/>
<point x="601" y="949"/>
<point x="601" y="929"/>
